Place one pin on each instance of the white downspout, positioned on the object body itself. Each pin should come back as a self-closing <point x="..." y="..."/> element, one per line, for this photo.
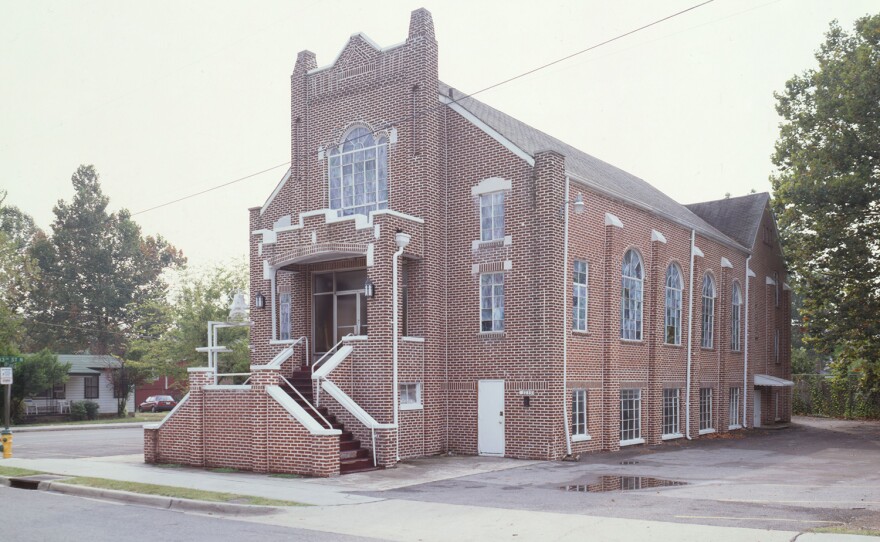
<point x="745" y="392"/>
<point x="402" y="239"/>
<point x="565" y="323"/>
<point x="687" y="406"/>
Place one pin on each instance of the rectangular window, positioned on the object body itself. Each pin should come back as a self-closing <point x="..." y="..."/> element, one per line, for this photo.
<point x="734" y="408"/>
<point x="404" y="301"/>
<point x="776" y="346"/>
<point x="670" y="412"/>
<point x="492" y="216"/>
<point x="90" y="386"/>
<point x="284" y="317"/>
<point x="579" y="413"/>
<point x="492" y="302"/>
<point x="630" y="416"/>
<point x="705" y="409"/>
<point x="579" y="302"/>
<point x="410" y="395"/>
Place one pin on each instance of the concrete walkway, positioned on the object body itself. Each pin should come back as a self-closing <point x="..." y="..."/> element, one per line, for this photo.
<point x="395" y="519"/>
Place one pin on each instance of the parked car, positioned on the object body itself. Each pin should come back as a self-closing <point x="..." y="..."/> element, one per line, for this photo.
<point x="158" y="403"/>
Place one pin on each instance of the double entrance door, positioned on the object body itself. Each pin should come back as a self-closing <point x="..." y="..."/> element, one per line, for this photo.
<point x="338" y="307"/>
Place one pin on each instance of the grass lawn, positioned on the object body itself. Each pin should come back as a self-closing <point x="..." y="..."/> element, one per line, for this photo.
<point x="846" y="530"/>
<point x="178" y="492"/>
<point x="15" y="471"/>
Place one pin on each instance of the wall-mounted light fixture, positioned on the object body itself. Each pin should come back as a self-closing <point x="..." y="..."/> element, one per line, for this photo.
<point x="369" y="288"/>
<point x="577" y="205"/>
<point x="259" y="301"/>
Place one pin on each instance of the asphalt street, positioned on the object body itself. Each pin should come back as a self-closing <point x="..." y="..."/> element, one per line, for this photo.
<point x="39" y="516"/>
<point x="79" y="443"/>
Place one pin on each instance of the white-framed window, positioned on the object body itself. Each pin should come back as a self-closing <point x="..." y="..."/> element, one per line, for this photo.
<point x="776" y="346"/>
<point x="708" y="311"/>
<point x="579" y="414"/>
<point x="670" y="412"/>
<point x="359" y="173"/>
<point x="776" y="286"/>
<point x="736" y="303"/>
<point x="632" y="279"/>
<point x="491" y="302"/>
<point x="284" y="317"/>
<point x="410" y="395"/>
<point x="706" y="409"/>
<point x="492" y="216"/>
<point x="579" y="296"/>
<point x="734" y="408"/>
<point x="630" y="415"/>
<point x="673" y="305"/>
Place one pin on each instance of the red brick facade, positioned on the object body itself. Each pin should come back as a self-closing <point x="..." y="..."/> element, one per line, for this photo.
<point x="440" y="158"/>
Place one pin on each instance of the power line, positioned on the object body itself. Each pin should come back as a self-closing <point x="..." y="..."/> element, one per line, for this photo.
<point x="434" y="108"/>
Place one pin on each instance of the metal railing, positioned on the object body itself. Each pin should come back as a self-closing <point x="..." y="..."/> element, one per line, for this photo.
<point x="306" y="401"/>
<point x="332" y="350"/>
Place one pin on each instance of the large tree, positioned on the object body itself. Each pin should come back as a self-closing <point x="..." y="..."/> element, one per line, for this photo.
<point x="826" y="192"/>
<point x="18" y="271"/>
<point x="96" y="268"/>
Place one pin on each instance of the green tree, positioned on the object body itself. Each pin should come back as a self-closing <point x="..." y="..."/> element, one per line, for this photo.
<point x="17" y="272"/>
<point x="182" y="324"/>
<point x="123" y="380"/>
<point x="38" y="372"/>
<point x="96" y="268"/>
<point x="826" y="191"/>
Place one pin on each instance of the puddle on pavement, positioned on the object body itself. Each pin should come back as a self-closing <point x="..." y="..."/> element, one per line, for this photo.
<point x="622" y="483"/>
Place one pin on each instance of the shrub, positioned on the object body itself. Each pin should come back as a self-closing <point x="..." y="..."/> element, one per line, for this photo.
<point x="78" y="411"/>
<point x="91" y="409"/>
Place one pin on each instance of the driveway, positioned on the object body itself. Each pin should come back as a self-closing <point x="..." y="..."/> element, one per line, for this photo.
<point x="816" y="473"/>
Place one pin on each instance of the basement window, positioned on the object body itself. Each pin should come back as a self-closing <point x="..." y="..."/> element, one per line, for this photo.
<point x="410" y="395"/>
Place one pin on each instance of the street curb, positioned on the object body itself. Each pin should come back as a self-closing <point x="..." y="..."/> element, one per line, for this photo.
<point x="155" y="501"/>
<point x="158" y="501"/>
<point x="28" y="429"/>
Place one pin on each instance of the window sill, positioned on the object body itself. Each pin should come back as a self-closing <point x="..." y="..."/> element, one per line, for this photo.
<point x="632" y="341"/>
<point x="670" y="345"/>
<point x="733" y="427"/>
<point x="491" y="334"/>
<point x="672" y="436"/>
<point x="355" y="338"/>
<point x="417" y="406"/>
<point x="707" y="349"/>
<point x="583" y="332"/>
<point x="505" y="241"/>
<point x="707" y="431"/>
<point x="581" y="438"/>
<point x="631" y="442"/>
<point x="412" y="339"/>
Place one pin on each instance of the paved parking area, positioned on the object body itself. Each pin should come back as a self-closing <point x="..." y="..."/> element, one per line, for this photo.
<point x="815" y="473"/>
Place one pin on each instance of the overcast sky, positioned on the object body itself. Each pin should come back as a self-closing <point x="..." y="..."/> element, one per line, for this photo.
<point x="168" y="98"/>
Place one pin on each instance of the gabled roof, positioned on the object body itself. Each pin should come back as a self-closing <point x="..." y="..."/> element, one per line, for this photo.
<point x="739" y="218"/>
<point x="600" y="175"/>
<point x="83" y="364"/>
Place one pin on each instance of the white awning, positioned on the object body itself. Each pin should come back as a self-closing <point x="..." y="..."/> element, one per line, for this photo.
<point x="767" y="380"/>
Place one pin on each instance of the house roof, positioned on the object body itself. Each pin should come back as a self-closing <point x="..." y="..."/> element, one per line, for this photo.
<point x="88" y="364"/>
<point x="739" y="218"/>
<point x="600" y="175"/>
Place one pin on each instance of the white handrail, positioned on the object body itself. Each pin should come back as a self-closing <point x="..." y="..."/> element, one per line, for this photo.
<point x="285" y="354"/>
<point x="328" y="366"/>
<point x="315" y="410"/>
<point x="298" y="413"/>
<point x="355" y="410"/>
<point x="328" y="352"/>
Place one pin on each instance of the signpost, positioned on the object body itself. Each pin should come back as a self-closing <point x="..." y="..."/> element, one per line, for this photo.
<point x="6" y="380"/>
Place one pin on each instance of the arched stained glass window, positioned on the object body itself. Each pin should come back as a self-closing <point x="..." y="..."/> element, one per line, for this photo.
<point x="735" y="318"/>
<point x="359" y="173"/>
<point x="708" y="311"/>
<point x="632" y="281"/>
<point x="673" y="304"/>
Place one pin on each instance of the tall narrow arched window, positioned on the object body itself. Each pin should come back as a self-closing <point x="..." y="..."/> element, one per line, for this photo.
<point x="735" y="317"/>
<point x="673" y="305"/>
<point x="776" y="285"/>
<point x="708" y="311"/>
<point x="359" y="173"/>
<point x="632" y="280"/>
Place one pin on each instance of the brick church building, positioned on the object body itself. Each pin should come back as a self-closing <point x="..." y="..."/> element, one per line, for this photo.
<point x="432" y="275"/>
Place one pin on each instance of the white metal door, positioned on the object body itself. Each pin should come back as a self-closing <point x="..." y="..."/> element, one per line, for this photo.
<point x="490" y="411"/>
<point x="757" y="402"/>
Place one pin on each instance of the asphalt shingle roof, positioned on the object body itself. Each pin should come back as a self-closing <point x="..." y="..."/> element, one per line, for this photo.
<point x="739" y="218"/>
<point x="603" y="176"/>
<point x="88" y="364"/>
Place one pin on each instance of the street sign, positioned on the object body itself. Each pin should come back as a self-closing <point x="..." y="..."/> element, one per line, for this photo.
<point x="5" y="375"/>
<point x="10" y="359"/>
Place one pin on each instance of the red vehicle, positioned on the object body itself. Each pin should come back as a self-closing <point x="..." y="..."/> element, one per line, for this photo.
<point x="158" y="403"/>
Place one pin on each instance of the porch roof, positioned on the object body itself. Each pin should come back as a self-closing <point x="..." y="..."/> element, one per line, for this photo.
<point x="319" y="252"/>
<point x="767" y="380"/>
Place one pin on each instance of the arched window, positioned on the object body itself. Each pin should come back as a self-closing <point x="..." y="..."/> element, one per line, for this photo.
<point x="673" y="304"/>
<point x="359" y="173"/>
<point x="708" y="311"/>
<point x="631" y="297"/>
<point x="776" y="285"/>
<point x="735" y="318"/>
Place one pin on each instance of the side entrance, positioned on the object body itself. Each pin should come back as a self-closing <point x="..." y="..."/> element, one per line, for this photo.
<point x="490" y="417"/>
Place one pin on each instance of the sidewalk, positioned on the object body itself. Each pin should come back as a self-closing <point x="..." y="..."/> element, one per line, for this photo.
<point x="74" y="427"/>
<point x="404" y="520"/>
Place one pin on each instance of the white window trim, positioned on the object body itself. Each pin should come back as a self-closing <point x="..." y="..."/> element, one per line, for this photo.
<point x="585" y="284"/>
<point x="502" y="238"/>
<point x="641" y="301"/>
<point x="577" y="437"/>
<point x="581" y="438"/>
<point x="671" y="436"/>
<point x="707" y="431"/>
<point x="418" y="405"/>
<point x="492" y="332"/>
<point x="733" y="427"/>
<point x="630" y="442"/>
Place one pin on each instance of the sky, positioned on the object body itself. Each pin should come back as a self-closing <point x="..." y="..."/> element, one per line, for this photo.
<point x="171" y="98"/>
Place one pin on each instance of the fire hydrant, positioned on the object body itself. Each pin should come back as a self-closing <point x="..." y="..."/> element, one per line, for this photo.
<point x="6" y="443"/>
